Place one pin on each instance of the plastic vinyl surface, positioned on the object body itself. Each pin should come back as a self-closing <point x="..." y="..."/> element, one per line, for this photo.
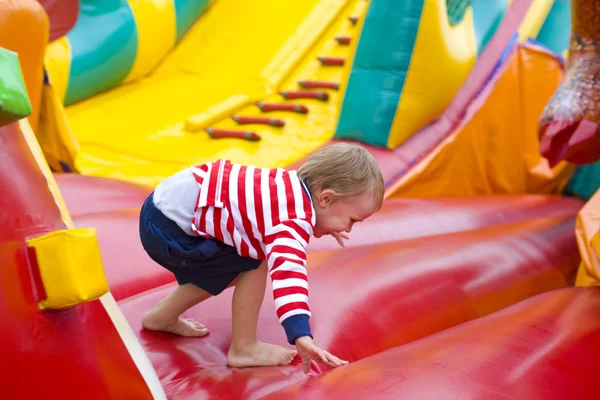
<point x="368" y="299"/>
<point x="135" y="133"/>
<point x="91" y="194"/>
<point x="69" y="351"/>
<point x="404" y="75"/>
<point x="546" y="347"/>
<point x="467" y="144"/>
<point x="116" y="41"/>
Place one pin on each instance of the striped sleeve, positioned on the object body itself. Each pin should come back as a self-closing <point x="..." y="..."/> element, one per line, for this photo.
<point x="286" y="257"/>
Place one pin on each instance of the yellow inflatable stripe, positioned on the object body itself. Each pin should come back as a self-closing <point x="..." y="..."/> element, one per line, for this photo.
<point x="217" y="112"/>
<point x="534" y="19"/>
<point x="36" y="150"/>
<point x="156" y="30"/>
<point x="442" y="59"/>
<point x="54" y="133"/>
<point x="58" y="66"/>
<point x="302" y="41"/>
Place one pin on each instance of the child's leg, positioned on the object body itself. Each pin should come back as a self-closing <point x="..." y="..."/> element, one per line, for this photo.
<point x="165" y="316"/>
<point x="245" y="349"/>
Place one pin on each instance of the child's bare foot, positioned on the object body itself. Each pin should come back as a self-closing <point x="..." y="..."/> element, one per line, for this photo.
<point x="260" y="355"/>
<point x="183" y="327"/>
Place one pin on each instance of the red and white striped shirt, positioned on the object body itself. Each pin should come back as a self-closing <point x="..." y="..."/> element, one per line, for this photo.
<point x="266" y="214"/>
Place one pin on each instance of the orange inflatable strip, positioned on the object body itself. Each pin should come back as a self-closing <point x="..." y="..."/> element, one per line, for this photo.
<point x="30" y="46"/>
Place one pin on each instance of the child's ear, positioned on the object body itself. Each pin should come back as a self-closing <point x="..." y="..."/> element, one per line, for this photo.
<point x="326" y="198"/>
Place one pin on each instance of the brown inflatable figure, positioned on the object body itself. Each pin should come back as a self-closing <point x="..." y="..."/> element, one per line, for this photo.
<point x="569" y="127"/>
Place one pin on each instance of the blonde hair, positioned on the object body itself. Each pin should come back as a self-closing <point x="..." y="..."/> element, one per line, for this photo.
<point x="346" y="168"/>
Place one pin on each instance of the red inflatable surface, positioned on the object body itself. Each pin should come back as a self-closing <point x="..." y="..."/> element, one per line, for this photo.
<point x="546" y="347"/>
<point x="91" y="194"/>
<point x="62" y="15"/>
<point x="68" y="354"/>
<point x="431" y="299"/>
<point x="416" y="268"/>
<point x="411" y="218"/>
<point x="112" y="207"/>
<point x="368" y="299"/>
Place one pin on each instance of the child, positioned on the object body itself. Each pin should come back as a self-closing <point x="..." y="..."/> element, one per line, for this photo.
<point x="221" y="224"/>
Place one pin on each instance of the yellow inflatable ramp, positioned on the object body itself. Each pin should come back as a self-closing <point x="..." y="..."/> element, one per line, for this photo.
<point x="236" y="54"/>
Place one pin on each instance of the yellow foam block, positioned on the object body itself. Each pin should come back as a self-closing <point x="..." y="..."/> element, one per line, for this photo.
<point x="70" y="267"/>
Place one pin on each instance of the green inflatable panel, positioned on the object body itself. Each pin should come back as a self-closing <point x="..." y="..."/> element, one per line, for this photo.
<point x="14" y="101"/>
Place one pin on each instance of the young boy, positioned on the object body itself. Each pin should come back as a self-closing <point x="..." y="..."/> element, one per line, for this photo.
<point x="221" y="224"/>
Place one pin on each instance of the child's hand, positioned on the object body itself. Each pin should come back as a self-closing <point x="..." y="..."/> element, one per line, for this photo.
<point x="309" y="351"/>
<point x="340" y="237"/>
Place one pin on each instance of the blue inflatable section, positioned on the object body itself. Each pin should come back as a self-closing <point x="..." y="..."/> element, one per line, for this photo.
<point x="487" y="16"/>
<point x="187" y="12"/>
<point x="380" y="66"/>
<point x="556" y="30"/>
<point x="585" y="181"/>
<point x="103" y="47"/>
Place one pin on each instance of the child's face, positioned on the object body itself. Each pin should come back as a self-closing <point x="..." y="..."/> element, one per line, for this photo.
<point x="340" y="214"/>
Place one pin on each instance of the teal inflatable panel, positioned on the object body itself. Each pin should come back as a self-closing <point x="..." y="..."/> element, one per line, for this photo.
<point x="556" y="30"/>
<point x="456" y="10"/>
<point x="187" y="12"/>
<point x="379" y="71"/>
<point x="585" y="181"/>
<point x="487" y="16"/>
<point x="103" y="47"/>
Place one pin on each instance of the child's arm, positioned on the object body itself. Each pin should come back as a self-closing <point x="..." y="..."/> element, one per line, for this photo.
<point x="286" y="257"/>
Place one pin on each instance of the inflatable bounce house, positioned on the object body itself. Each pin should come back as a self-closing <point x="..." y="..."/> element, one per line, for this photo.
<point x="476" y="280"/>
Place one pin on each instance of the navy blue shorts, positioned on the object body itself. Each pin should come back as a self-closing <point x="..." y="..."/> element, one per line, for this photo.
<point x="207" y="263"/>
